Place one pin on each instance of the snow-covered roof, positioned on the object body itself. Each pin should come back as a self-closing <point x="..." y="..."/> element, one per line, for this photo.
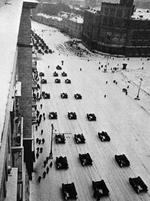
<point x="64" y="14"/>
<point x="69" y="16"/>
<point x="77" y="19"/>
<point x="94" y="10"/>
<point x="49" y="16"/>
<point x="76" y="8"/>
<point x="141" y="14"/>
<point x="10" y="14"/>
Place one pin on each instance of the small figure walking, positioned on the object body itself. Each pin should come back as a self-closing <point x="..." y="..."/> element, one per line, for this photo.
<point x="44" y="116"/>
<point x="44" y="174"/>
<point x="43" y="141"/>
<point x="47" y="170"/>
<point x="37" y="113"/>
<point x="45" y="163"/>
<point x="51" y="164"/>
<point x="41" y="149"/>
<point x="37" y="155"/>
<point x="39" y="179"/>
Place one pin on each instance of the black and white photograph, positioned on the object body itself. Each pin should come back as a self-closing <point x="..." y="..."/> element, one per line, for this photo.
<point x="75" y="100"/>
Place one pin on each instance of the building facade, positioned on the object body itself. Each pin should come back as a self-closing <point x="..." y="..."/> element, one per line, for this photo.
<point x="113" y="30"/>
<point x="16" y="149"/>
<point x="70" y="23"/>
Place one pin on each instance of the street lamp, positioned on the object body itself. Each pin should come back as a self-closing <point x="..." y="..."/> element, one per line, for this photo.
<point x="51" y="150"/>
<point x="137" y="97"/>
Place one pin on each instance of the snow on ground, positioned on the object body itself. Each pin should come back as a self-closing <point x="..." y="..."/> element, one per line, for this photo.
<point x="125" y="119"/>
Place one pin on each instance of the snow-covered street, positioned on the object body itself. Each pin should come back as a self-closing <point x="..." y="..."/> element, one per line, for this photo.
<point x="125" y="119"/>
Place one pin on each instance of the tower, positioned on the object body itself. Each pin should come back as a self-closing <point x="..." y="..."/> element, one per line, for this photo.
<point x="90" y="3"/>
<point x="127" y="3"/>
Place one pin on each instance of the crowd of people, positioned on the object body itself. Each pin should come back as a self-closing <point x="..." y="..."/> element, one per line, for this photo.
<point x="40" y="116"/>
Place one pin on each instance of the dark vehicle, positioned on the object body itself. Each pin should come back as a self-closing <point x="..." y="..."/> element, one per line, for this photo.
<point x="60" y="139"/>
<point x="68" y="81"/>
<point x="69" y="191"/>
<point x="46" y="51"/>
<point x="41" y="74"/>
<point x="43" y="81"/>
<point x="61" y="163"/>
<point x="138" y="185"/>
<point x="79" y="138"/>
<point x="57" y="81"/>
<point x="64" y="95"/>
<point x="124" y="66"/>
<point x="58" y="67"/>
<point x="40" y="51"/>
<point x="122" y="160"/>
<point x="43" y="93"/>
<point x="125" y="91"/>
<point x="103" y="136"/>
<point x="77" y="96"/>
<point x="100" y="189"/>
<point x="72" y="115"/>
<point x="55" y="74"/>
<point x="91" y="117"/>
<point x="53" y="115"/>
<point x="85" y="159"/>
<point x="64" y="74"/>
<point x="46" y="96"/>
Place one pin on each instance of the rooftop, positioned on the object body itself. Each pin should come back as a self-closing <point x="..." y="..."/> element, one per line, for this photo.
<point x="77" y="19"/>
<point x="94" y="10"/>
<point x="71" y="16"/>
<point x="141" y="14"/>
<point x="10" y="14"/>
<point x="49" y="16"/>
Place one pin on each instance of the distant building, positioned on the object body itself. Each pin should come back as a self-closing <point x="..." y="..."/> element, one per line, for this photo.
<point x="70" y="23"/>
<point x="74" y="26"/>
<point x="67" y="2"/>
<point x="48" y="20"/>
<point x="118" y="29"/>
<point x="93" y="3"/>
<point x="90" y="3"/>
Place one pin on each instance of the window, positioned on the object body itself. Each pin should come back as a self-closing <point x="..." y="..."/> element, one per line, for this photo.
<point x="119" y="13"/>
